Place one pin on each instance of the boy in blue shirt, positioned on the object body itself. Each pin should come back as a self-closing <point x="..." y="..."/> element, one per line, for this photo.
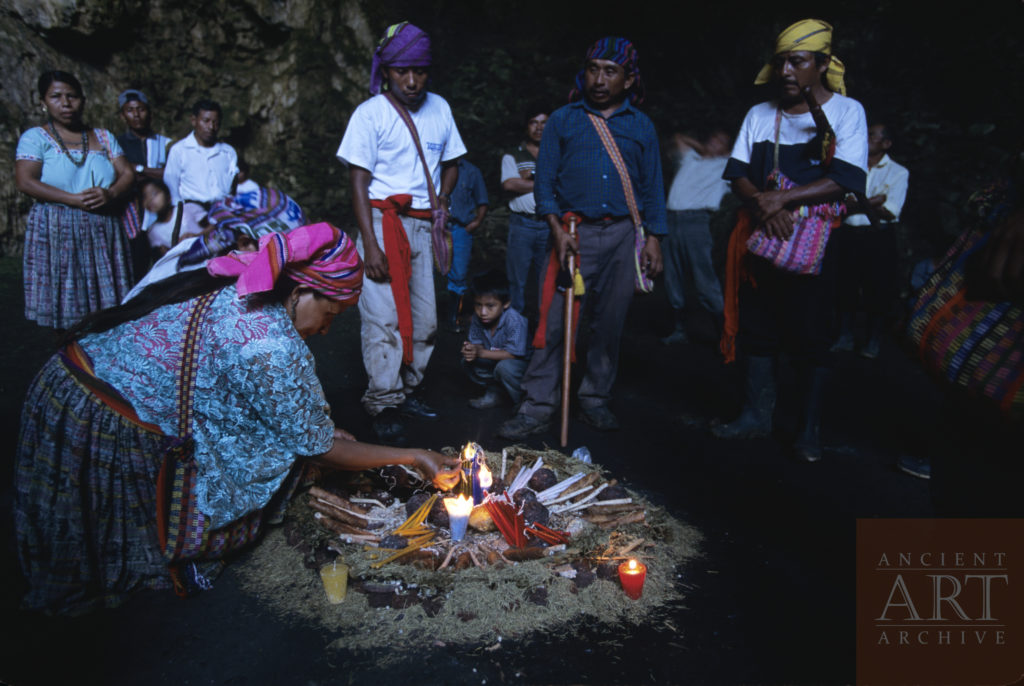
<point x="496" y="353"/>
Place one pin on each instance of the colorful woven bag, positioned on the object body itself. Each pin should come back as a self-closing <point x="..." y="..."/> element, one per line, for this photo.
<point x="803" y="252"/>
<point x="812" y="226"/>
<point x="974" y="345"/>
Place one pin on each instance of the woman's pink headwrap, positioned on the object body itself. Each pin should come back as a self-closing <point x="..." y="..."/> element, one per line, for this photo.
<point x="319" y="256"/>
<point x="402" y="45"/>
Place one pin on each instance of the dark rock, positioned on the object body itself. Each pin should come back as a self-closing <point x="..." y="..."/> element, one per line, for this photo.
<point x="464" y="561"/>
<point x="394" y="542"/>
<point x="414" y="502"/>
<point x="523" y="495"/>
<point x="536" y="513"/>
<point x="613" y="493"/>
<point x="397" y="478"/>
<point x="538" y="596"/>
<point x="584" y="578"/>
<point x="431" y="606"/>
<point x="542" y="480"/>
<point x="439" y="515"/>
<point x="607" y="570"/>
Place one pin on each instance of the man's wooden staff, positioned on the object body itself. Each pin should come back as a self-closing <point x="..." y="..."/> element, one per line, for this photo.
<point x="567" y="338"/>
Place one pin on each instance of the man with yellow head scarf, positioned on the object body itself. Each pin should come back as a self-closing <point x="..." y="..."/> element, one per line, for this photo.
<point x="783" y="174"/>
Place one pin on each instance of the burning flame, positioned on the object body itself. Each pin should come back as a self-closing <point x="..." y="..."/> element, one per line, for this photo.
<point x="632" y="565"/>
<point x="484" y="476"/>
<point x="458" y="507"/>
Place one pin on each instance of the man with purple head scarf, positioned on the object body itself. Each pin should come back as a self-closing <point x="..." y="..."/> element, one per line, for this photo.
<point x="578" y="174"/>
<point x="400" y="147"/>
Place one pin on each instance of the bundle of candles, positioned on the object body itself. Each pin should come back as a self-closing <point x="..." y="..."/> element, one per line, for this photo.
<point x="475" y="479"/>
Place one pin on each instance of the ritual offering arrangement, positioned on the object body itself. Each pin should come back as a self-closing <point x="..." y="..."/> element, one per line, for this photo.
<point x="526" y="542"/>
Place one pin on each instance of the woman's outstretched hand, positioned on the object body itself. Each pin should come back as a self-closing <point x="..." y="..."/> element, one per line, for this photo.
<point x="441" y="470"/>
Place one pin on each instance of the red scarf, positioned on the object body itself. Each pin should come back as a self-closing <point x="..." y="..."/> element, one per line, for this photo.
<point x="399" y="254"/>
<point x="548" y="292"/>
<point x="735" y="274"/>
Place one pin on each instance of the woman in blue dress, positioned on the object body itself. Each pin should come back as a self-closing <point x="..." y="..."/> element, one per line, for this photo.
<point x="76" y="251"/>
<point x="169" y="430"/>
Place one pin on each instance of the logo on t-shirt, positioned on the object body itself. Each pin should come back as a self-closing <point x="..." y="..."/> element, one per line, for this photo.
<point x="435" y="147"/>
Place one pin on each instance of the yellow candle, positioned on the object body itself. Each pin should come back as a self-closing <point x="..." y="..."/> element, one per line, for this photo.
<point x="335" y="578"/>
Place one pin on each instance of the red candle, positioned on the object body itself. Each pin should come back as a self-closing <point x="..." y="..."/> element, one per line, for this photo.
<point x="632" y="575"/>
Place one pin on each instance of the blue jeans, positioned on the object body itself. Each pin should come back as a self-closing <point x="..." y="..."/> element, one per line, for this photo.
<point x="527" y="246"/>
<point x="687" y="254"/>
<point x="462" y="249"/>
<point x="509" y="373"/>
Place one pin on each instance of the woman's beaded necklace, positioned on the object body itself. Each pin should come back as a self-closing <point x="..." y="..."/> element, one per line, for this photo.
<point x="64" y="148"/>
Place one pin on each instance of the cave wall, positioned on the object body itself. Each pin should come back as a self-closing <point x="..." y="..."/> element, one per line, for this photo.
<point x="287" y="73"/>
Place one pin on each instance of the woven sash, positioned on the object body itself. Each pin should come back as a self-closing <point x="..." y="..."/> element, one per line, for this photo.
<point x="643" y="282"/>
<point x="440" y="237"/>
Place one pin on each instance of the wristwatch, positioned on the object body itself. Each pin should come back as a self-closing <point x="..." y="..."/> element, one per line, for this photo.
<point x="139" y="168"/>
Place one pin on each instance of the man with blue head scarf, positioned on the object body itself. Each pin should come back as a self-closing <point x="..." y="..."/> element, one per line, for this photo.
<point x="599" y="161"/>
<point x="400" y="147"/>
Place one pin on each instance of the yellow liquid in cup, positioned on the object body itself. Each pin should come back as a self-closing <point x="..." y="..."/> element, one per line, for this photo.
<point x="335" y="578"/>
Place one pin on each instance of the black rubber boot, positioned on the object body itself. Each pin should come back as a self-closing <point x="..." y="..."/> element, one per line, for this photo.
<point x="808" y="444"/>
<point x="846" y="341"/>
<point x="755" y="418"/>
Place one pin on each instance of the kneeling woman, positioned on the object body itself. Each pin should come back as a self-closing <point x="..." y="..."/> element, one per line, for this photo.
<point x="168" y="430"/>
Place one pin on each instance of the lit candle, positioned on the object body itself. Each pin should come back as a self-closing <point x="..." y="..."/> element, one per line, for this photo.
<point x="632" y="575"/>
<point x="335" y="578"/>
<point x="458" y="515"/>
<point x="482" y="482"/>
<point x="479" y="475"/>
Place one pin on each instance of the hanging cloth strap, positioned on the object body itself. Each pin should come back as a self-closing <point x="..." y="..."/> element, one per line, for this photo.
<point x="440" y="236"/>
<point x="643" y="282"/>
<point x="573" y="286"/>
<point x="399" y="256"/>
<point x="174" y="489"/>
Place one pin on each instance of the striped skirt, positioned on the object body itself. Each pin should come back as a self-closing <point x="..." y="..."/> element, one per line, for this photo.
<point x="76" y="262"/>
<point x="85" y="500"/>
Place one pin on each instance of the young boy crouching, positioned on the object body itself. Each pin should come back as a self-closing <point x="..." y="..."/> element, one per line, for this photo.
<point x="496" y="353"/>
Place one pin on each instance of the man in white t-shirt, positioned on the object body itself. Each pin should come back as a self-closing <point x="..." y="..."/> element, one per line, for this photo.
<point x="392" y="203"/>
<point x="200" y="169"/>
<point x="695" y="194"/>
<point x="778" y="310"/>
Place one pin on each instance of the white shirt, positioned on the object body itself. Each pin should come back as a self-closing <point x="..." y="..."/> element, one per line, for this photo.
<point x="194" y="172"/>
<point x="885" y="178"/>
<point x="698" y="185"/>
<point x="377" y="140"/>
<point x="523" y="203"/>
<point x="156" y="157"/>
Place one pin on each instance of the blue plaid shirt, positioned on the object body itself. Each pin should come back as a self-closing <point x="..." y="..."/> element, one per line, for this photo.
<point x="574" y="173"/>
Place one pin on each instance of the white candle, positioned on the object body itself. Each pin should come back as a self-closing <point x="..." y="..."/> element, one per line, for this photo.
<point x="458" y="515"/>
